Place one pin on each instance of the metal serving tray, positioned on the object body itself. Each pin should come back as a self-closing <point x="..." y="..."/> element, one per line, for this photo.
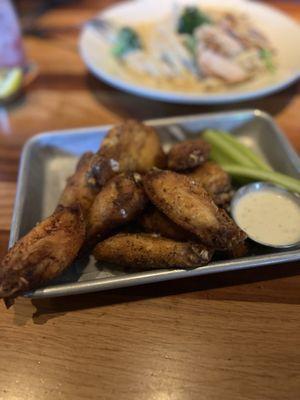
<point x="48" y="159"/>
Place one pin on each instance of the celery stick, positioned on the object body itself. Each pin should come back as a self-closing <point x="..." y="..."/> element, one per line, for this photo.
<point x="218" y="156"/>
<point x="217" y="140"/>
<point x="277" y="178"/>
<point x="257" y="161"/>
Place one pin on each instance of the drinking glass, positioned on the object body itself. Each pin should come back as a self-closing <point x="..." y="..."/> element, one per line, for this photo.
<point x="11" y="47"/>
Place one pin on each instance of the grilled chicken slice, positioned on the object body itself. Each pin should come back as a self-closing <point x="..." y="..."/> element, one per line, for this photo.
<point x="120" y="201"/>
<point x="42" y="254"/>
<point x="212" y="64"/>
<point x="189" y="205"/>
<point x="128" y="147"/>
<point x="215" y="181"/>
<point x="142" y="250"/>
<point x="238" y="27"/>
<point x="188" y="154"/>
<point x="217" y="39"/>
<point x="78" y="190"/>
<point x="154" y="221"/>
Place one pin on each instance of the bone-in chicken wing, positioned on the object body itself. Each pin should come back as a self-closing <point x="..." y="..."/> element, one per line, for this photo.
<point x="188" y="204"/>
<point x="144" y="250"/>
<point x="120" y="201"/>
<point x="78" y="190"/>
<point x="238" y="251"/>
<point x="43" y="253"/>
<point x="131" y="146"/>
<point x="215" y="181"/>
<point x="188" y="154"/>
<point x="154" y="221"/>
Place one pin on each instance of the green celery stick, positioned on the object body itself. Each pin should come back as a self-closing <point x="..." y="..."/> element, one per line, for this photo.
<point x="277" y="178"/>
<point x="217" y="140"/>
<point x="218" y="156"/>
<point x="256" y="159"/>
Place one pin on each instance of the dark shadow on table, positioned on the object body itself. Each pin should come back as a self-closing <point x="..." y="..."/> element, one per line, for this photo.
<point x="206" y="286"/>
<point x="128" y="105"/>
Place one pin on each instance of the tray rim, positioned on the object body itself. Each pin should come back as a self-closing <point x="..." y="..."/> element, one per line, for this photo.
<point x="148" y="276"/>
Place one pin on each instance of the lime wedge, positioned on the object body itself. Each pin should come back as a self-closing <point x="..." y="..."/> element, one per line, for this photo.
<point x="10" y="82"/>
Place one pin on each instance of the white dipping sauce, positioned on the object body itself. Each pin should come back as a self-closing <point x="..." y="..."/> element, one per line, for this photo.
<point x="269" y="217"/>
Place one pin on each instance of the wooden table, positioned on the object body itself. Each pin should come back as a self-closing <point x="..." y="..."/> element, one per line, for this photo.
<point x="228" y="336"/>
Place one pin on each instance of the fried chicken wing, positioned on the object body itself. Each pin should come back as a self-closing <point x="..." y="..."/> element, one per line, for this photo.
<point x="154" y="221"/>
<point x="188" y="204"/>
<point x="143" y="250"/>
<point x="131" y="146"/>
<point x="43" y="253"/>
<point x="188" y="154"/>
<point x="238" y="251"/>
<point x="120" y="201"/>
<point x="215" y="181"/>
<point x="78" y="190"/>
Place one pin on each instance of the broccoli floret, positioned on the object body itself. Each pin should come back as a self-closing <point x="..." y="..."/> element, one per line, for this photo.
<point x="267" y="57"/>
<point x="127" y="40"/>
<point x="190" y="19"/>
<point x="190" y="43"/>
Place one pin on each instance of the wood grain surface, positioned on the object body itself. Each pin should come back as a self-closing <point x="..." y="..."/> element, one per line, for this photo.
<point x="227" y="336"/>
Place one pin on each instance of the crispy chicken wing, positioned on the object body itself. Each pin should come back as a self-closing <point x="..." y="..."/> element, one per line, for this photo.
<point x="78" y="190"/>
<point x="215" y="181"/>
<point x="43" y="253"/>
<point x="120" y="201"/>
<point x="131" y="146"/>
<point x="186" y="203"/>
<point x="154" y="221"/>
<point x="238" y="251"/>
<point x="150" y="251"/>
<point x="188" y="154"/>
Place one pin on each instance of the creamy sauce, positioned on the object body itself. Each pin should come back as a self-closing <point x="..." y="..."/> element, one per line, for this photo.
<point x="269" y="217"/>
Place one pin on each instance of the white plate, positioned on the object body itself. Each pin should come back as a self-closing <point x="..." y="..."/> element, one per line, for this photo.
<point x="283" y="32"/>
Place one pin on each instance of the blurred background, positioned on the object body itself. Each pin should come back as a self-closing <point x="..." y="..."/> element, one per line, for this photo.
<point x="58" y="91"/>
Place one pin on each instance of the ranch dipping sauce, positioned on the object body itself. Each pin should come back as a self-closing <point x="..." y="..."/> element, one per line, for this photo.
<point x="270" y="217"/>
